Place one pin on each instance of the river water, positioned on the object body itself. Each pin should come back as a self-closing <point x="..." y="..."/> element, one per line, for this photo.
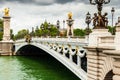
<point x="42" y="67"/>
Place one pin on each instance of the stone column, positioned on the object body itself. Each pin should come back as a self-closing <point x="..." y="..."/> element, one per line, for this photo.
<point x="70" y="28"/>
<point x="6" y="28"/>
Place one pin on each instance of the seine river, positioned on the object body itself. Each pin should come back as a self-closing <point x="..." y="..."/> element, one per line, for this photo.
<point x="33" y="68"/>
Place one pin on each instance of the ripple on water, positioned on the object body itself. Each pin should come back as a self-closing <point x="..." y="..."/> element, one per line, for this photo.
<point x="22" y="68"/>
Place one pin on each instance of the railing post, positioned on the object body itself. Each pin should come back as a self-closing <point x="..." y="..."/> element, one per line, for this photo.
<point x="70" y="57"/>
<point x="78" y="61"/>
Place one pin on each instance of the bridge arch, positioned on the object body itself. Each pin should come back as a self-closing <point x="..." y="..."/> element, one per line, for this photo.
<point x="65" y="61"/>
<point x="30" y="50"/>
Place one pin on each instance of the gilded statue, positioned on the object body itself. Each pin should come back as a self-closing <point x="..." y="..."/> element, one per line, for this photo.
<point x="70" y="15"/>
<point x="6" y="12"/>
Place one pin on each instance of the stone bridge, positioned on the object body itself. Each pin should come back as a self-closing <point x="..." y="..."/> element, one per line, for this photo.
<point x="68" y="51"/>
<point x="99" y="59"/>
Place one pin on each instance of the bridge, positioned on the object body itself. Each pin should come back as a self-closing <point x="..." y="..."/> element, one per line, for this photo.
<point x="68" y="51"/>
<point x="95" y="58"/>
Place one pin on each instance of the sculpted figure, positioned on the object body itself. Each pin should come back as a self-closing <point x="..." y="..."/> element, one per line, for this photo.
<point x="70" y="15"/>
<point x="6" y="12"/>
<point x="105" y="19"/>
<point x="95" y="18"/>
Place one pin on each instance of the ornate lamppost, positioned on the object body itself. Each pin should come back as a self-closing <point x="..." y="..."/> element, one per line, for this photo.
<point x="70" y="24"/>
<point x="100" y="21"/>
<point x="99" y="4"/>
<point x="32" y="33"/>
<point x="58" y="27"/>
<point x="112" y="11"/>
<point x="88" y="21"/>
<point x="63" y="24"/>
<point x="58" y="24"/>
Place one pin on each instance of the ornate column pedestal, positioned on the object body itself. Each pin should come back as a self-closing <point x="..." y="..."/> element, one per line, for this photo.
<point x="7" y="47"/>
<point x="70" y="28"/>
<point x="94" y="36"/>
<point x="6" y="28"/>
<point x="7" y="44"/>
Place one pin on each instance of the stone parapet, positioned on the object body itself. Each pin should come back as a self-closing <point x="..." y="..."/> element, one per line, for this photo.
<point x="94" y="36"/>
<point x="98" y="63"/>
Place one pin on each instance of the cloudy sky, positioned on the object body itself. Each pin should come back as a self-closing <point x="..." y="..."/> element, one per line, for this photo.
<point x="30" y="13"/>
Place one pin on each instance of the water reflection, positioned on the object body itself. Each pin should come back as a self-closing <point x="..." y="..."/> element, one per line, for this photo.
<point x="33" y="68"/>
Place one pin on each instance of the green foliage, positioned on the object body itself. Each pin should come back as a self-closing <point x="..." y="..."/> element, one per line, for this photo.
<point x="54" y="31"/>
<point x="112" y="30"/>
<point x="79" y="32"/>
<point x="21" y="34"/>
<point x="1" y="29"/>
<point x="1" y="35"/>
<point x="47" y="29"/>
<point x="11" y="34"/>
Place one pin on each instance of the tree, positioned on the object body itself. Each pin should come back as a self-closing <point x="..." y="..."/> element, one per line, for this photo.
<point x="48" y="29"/>
<point x="21" y="34"/>
<point x="54" y="31"/>
<point x="79" y="32"/>
<point x="1" y="29"/>
<point x="11" y="34"/>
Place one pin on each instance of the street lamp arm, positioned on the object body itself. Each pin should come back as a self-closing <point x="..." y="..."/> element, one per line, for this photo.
<point x="106" y="2"/>
<point x="93" y="3"/>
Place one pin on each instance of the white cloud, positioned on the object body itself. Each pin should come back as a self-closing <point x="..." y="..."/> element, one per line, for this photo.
<point x="30" y="15"/>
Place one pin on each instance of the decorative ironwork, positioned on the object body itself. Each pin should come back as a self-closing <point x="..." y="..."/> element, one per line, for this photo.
<point x="88" y="21"/>
<point x="70" y="23"/>
<point x="100" y="21"/>
<point x="58" y="24"/>
<point x="112" y="11"/>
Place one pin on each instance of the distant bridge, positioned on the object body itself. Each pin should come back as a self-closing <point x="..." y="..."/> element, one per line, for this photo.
<point x="68" y="51"/>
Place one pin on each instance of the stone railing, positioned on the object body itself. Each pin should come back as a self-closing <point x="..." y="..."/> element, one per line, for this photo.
<point x="106" y="41"/>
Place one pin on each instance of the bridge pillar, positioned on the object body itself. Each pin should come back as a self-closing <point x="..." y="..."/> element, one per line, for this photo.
<point x="98" y="63"/>
<point x="6" y="28"/>
<point x="116" y="70"/>
<point x="6" y="48"/>
<point x="115" y="54"/>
